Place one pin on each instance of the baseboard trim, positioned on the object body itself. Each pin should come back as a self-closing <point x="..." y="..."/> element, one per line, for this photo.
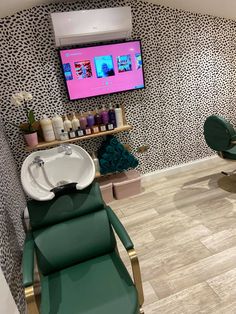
<point x="176" y="169"/>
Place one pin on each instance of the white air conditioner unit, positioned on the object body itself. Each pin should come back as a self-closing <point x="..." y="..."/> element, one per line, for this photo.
<point x="87" y="26"/>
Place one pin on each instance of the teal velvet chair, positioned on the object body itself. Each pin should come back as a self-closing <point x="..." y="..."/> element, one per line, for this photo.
<point x="221" y="137"/>
<point x="81" y="272"/>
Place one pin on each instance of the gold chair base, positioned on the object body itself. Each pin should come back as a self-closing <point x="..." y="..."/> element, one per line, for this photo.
<point x="30" y="300"/>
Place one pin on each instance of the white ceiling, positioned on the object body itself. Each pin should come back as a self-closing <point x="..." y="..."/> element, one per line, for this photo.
<point x="222" y="8"/>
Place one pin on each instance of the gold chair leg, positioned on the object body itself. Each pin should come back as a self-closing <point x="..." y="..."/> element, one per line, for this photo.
<point x="136" y="275"/>
<point x="31" y="301"/>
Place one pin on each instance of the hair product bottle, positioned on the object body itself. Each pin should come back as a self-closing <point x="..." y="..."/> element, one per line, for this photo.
<point x="71" y="133"/>
<point x="75" y="123"/>
<point x="58" y="125"/>
<point x="97" y="118"/>
<point x="88" y="131"/>
<point x="95" y="129"/>
<point x="119" y="117"/>
<point x="67" y="124"/>
<point x="46" y="125"/>
<point x="110" y="126"/>
<point x="112" y="115"/>
<point x="82" y="121"/>
<point x="104" y="115"/>
<point x="103" y="128"/>
<point x="80" y="132"/>
<point x="64" y="135"/>
<point x="90" y="119"/>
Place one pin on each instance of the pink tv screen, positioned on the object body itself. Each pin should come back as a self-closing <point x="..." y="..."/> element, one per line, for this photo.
<point x="104" y="69"/>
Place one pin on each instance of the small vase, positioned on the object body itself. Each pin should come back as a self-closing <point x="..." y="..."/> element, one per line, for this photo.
<point x="31" y="139"/>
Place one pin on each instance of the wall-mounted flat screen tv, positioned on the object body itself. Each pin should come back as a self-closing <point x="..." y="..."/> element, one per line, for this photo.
<point x="104" y="69"/>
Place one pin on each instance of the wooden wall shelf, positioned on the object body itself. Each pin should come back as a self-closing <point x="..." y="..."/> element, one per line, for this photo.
<point x="43" y="145"/>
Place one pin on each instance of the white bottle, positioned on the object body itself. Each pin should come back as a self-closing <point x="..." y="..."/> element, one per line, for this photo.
<point x="67" y="124"/>
<point x="75" y="123"/>
<point x="57" y="124"/>
<point x="46" y="125"/>
<point x="119" y="117"/>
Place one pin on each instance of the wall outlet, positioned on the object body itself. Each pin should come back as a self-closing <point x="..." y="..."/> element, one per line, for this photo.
<point x="143" y="148"/>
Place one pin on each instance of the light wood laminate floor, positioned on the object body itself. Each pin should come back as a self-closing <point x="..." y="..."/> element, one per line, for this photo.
<point x="184" y="230"/>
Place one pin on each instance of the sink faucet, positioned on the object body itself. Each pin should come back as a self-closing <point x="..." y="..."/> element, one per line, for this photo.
<point x="39" y="161"/>
<point x="65" y="148"/>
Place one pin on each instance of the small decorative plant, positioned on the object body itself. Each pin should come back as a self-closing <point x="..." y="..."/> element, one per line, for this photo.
<point x="21" y="99"/>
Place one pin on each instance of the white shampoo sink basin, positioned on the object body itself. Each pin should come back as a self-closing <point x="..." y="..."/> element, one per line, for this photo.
<point x="46" y="173"/>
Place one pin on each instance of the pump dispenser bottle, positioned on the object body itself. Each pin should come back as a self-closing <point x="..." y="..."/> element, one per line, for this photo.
<point x="112" y="116"/>
<point x="104" y="115"/>
<point x="46" y="125"/>
<point x="119" y="117"/>
<point x="67" y="124"/>
<point x="82" y="121"/>
<point x="57" y="124"/>
<point x="75" y="123"/>
<point x="97" y="118"/>
<point x="90" y="119"/>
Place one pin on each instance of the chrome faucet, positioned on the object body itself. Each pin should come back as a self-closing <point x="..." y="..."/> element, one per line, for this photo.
<point x="38" y="160"/>
<point x="65" y="148"/>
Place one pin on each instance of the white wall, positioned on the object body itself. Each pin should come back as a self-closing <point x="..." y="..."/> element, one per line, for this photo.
<point x="223" y="8"/>
<point x="9" y="7"/>
<point x="7" y="304"/>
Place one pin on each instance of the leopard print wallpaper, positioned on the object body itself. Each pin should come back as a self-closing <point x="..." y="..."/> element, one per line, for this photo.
<point x="12" y="204"/>
<point x="190" y="73"/>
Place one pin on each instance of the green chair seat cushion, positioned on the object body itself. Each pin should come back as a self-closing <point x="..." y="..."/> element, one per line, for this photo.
<point x="230" y="153"/>
<point x="98" y="286"/>
<point x="218" y="133"/>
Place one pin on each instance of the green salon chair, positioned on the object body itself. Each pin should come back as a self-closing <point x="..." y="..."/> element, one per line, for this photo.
<point x="73" y="242"/>
<point x="221" y="137"/>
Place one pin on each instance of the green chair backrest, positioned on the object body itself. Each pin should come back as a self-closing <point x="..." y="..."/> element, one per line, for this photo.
<point x="218" y="133"/>
<point x="71" y="229"/>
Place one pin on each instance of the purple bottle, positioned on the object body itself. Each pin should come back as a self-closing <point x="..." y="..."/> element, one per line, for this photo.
<point x="82" y="121"/>
<point x="104" y="115"/>
<point x="90" y="119"/>
<point x="112" y="115"/>
<point x="97" y="118"/>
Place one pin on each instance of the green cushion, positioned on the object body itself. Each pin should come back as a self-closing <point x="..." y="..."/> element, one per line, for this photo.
<point x="98" y="286"/>
<point x="230" y="153"/>
<point x="65" y="207"/>
<point x="73" y="241"/>
<point x="218" y="133"/>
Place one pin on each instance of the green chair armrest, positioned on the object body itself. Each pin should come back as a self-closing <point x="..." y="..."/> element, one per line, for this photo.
<point x="119" y="229"/>
<point x="28" y="260"/>
<point x="233" y="138"/>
